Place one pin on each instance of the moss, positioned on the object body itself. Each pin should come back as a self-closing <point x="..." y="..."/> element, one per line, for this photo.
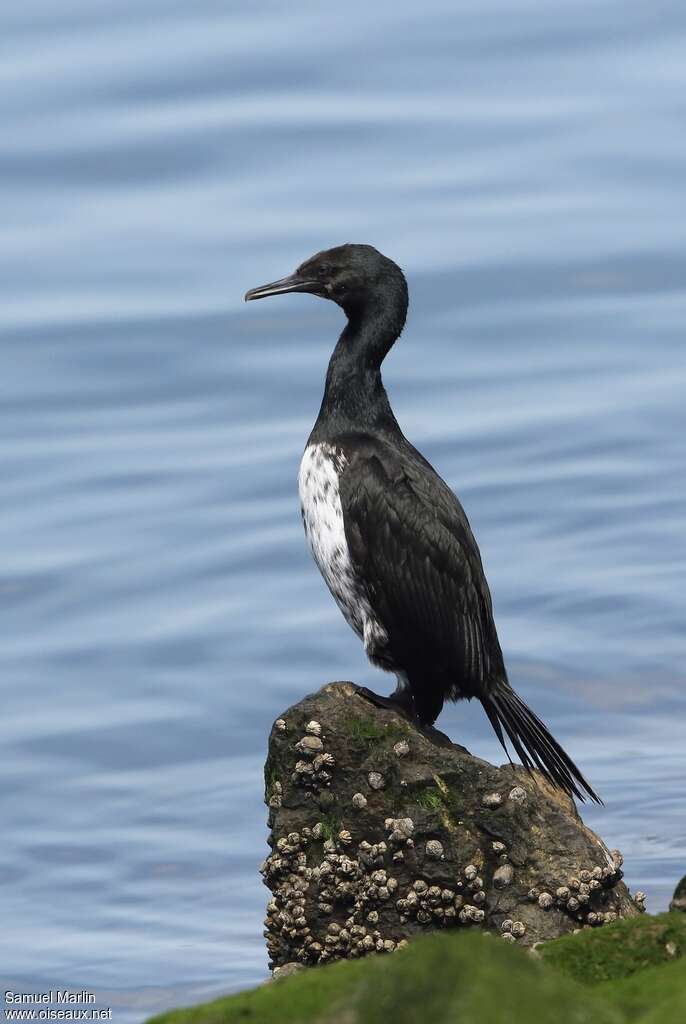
<point x="470" y="979"/>
<point x="331" y="825"/>
<point x="429" y="799"/>
<point x="619" y="974"/>
<point x="443" y="800"/>
<point x="669" y="1000"/>
<point x="271" y="775"/>
<point x="618" y="950"/>
<point x="369" y="730"/>
<point x="474" y="979"/>
<point x="657" y="994"/>
<point x="453" y="800"/>
<point x="294" y="1000"/>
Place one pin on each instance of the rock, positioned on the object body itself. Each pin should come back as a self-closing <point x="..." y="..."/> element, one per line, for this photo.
<point x="369" y="849"/>
<point x="286" y="970"/>
<point x="679" y="897"/>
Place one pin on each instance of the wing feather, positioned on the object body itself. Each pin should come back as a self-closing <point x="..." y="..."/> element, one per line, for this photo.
<point x="410" y="540"/>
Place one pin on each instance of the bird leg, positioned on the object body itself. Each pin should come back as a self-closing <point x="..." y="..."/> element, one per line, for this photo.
<point x="401" y="701"/>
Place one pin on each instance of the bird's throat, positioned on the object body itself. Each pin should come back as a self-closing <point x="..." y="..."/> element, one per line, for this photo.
<point x="354" y="396"/>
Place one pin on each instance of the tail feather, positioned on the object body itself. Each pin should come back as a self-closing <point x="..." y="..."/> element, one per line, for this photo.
<point x="532" y="741"/>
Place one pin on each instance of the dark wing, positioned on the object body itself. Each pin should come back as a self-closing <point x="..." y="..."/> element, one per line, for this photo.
<point x="410" y="541"/>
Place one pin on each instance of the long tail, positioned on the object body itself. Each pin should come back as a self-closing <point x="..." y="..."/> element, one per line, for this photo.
<point x="534" y="744"/>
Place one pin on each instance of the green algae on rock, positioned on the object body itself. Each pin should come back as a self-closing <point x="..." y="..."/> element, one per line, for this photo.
<point x="438" y="978"/>
<point x="595" y="977"/>
<point x="626" y="948"/>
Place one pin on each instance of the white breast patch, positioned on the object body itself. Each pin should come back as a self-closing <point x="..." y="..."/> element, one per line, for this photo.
<point x="322" y="515"/>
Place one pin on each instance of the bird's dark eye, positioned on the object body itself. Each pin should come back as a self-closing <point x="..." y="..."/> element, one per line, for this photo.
<point x="323" y="270"/>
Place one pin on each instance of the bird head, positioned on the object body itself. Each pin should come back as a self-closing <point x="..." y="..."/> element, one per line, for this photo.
<point x="352" y="276"/>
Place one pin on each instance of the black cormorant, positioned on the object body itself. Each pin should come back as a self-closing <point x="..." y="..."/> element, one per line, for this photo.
<point x="387" y="533"/>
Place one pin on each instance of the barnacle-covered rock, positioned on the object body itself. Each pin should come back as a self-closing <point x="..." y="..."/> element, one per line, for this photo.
<point x="381" y="831"/>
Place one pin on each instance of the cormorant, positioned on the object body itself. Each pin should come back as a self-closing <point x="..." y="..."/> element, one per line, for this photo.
<point x="390" y="538"/>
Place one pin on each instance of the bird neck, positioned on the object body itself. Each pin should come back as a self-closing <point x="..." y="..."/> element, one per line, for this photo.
<point x="354" y="396"/>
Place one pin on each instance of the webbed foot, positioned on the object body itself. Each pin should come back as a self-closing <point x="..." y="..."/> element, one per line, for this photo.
<point x="402" y="704"/>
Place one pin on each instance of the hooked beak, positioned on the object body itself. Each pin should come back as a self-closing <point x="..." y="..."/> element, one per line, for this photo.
<point x="293" y="283"/>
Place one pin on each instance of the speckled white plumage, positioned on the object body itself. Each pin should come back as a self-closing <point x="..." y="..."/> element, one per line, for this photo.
<point x="322" y="515"/>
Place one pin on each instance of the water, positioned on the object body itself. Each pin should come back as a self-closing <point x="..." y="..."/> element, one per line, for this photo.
<point x="525" y="166"/>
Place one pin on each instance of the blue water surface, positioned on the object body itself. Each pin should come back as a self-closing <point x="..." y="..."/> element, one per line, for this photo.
<point x="525" y="163"/>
